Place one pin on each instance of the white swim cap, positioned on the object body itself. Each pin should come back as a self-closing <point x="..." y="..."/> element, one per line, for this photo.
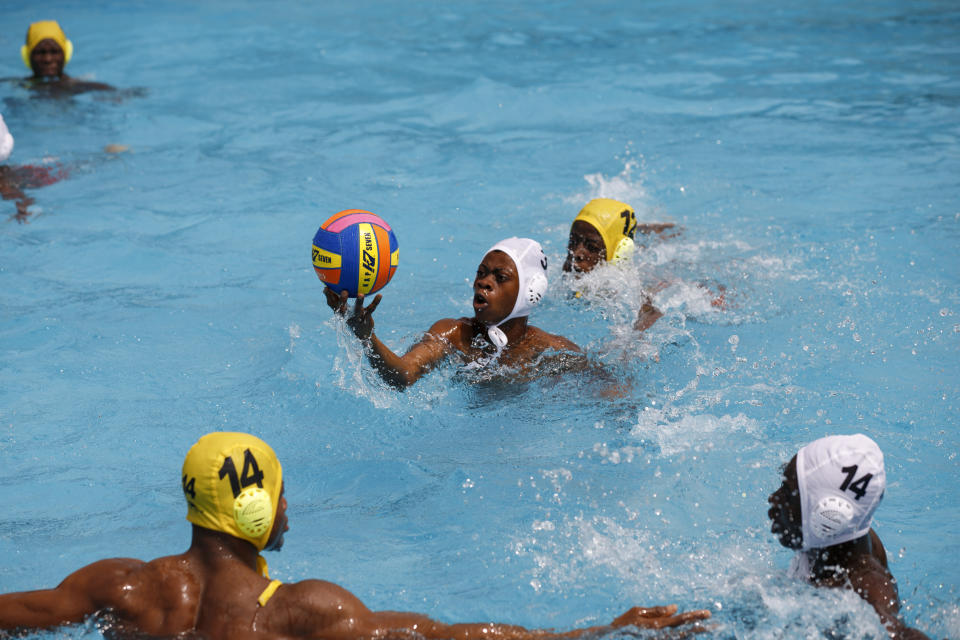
<point x="6" y="141"/>
<point x="841" y="481"/>
<point x="531" y="265"/>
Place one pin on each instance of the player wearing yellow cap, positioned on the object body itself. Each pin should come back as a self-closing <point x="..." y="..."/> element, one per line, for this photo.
<point x="604" y="231"/>
<point x="219" y="588"/>
<point x="46" y="52"/>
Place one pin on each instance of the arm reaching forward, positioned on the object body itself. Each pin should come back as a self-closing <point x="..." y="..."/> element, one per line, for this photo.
<point x="336" y="614"/>
<point x="82" y="593"/>
<point x="398" y="371"/>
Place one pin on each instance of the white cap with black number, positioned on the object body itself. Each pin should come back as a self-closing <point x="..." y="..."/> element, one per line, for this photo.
<point x="841" y="481"/>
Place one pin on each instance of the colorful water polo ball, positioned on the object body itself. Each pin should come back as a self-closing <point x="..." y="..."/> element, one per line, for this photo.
<point x="356" y="251"/>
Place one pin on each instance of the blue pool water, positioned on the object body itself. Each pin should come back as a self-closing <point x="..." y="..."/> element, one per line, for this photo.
<point x="810" y="152"/>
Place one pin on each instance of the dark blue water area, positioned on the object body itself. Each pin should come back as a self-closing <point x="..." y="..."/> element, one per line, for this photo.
<point x="808" y="155"/>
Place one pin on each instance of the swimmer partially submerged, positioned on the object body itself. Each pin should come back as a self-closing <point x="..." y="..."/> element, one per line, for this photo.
<point x="824" y="510"/>
<point x="511" y="280"/>
<point x="46" y="52"/>
<point x="14" y="179"/>
<point x="603" y="232"/>
<point x="220" y="589"/>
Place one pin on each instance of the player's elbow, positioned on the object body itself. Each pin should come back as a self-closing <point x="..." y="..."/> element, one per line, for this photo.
<point x="400" y="378"/>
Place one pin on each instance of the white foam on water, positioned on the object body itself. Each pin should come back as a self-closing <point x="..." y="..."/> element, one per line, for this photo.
<point x="623" y="186"/>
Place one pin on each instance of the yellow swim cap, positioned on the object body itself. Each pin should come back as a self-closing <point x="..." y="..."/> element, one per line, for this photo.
<point x="616" y="221"/>
<point x="43" y="30"/>
<point x="232" y="483"/>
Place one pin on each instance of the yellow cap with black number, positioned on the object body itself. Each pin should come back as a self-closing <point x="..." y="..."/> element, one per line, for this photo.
<point x="45" y="30"/>
<point x="232" y="483"/>
<point x="616" y="222"/>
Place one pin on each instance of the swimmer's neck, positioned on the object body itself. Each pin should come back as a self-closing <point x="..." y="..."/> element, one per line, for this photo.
<point x="215" y="546"/>
<point x="515" y="329"/>
<point x="50" y="79"/>
<point x="829" y="563"/>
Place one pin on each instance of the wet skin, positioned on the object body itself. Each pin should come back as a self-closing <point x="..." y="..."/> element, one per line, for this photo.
<point x="585" y="249"/>
<point x="211" y="592"/>
<point x="47" y="59"/>
<point x="280" y="525"/>
<point x="495" y="288"/>
<point x="859" y="565"/>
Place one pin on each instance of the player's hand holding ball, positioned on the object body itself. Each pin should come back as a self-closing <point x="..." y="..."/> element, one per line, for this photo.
<point x="355" y="253"/>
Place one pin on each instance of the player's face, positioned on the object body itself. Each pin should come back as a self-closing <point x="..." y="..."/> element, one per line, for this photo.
<point x="785" y="513"/>
<point x="585" y="250"/>
<point x="47" y="59"/>
<point x="495" y="288"/>
<point x="280" y="525"/>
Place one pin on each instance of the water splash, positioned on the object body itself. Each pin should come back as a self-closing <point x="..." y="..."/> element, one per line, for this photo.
<point x="624" y="187"/>
<point x="676" y="431"/>
<point x="353" y="373"/>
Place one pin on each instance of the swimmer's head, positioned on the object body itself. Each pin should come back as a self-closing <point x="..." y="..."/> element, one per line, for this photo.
<point x="516" y="267"/>
<point x="47" y="50"/>
<point x="6" y="141"/>
<point x="602" y="231"/>
<point x="830" y="491"/>
<point x="233" y="483"/>
<point x="531" y="265"/>
<point x="785" y="513"/>
<point x="841" y="481"/>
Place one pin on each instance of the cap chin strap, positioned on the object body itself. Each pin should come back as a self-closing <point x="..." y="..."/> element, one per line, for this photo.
<point x="262" y="567"/>
<point x="536" y="288"/>
<point x="497" y="337"/>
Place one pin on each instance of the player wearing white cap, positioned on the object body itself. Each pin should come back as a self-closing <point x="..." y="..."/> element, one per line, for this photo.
<point x="510" y="281"/>
<point x="823" y="510"/>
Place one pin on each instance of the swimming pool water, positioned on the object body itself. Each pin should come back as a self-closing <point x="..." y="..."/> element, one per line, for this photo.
<point x="809" y="152"/>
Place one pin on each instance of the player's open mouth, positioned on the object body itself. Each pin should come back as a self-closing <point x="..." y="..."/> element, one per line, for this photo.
<point x="479" y="300"/>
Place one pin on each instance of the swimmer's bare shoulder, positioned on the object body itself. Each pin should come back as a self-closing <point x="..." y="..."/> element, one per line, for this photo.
<point x="877" y="549"/>
<point x="454" y="332"/>
<point x="873" y="582"/>
<point x="313" y="609"/>
<point x="868" y="575"/>
<point x="536" y="342"/>
<point x="96" y="586"/>
<point x="544" y="341"/>
<point x="160" y="596"/>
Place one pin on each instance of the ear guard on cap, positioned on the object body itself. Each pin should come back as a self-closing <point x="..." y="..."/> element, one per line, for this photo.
<point x="67" y="54"/>
<point x="624" y="250"/>
<point x="831" y="516"/>
<point x="536" y="288"/>
<point x="253" y="511"/>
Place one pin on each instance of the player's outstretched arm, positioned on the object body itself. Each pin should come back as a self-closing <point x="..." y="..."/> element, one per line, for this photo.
<point x="82" y="593"/>
<point x="396" y="370"/>
<point x="640" y="617"/>
<point x="340" y="615"/>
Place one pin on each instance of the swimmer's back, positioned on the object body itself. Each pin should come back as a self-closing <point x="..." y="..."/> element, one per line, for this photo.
<point x="168" y="596"/>
<point x="178" y="595"/>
